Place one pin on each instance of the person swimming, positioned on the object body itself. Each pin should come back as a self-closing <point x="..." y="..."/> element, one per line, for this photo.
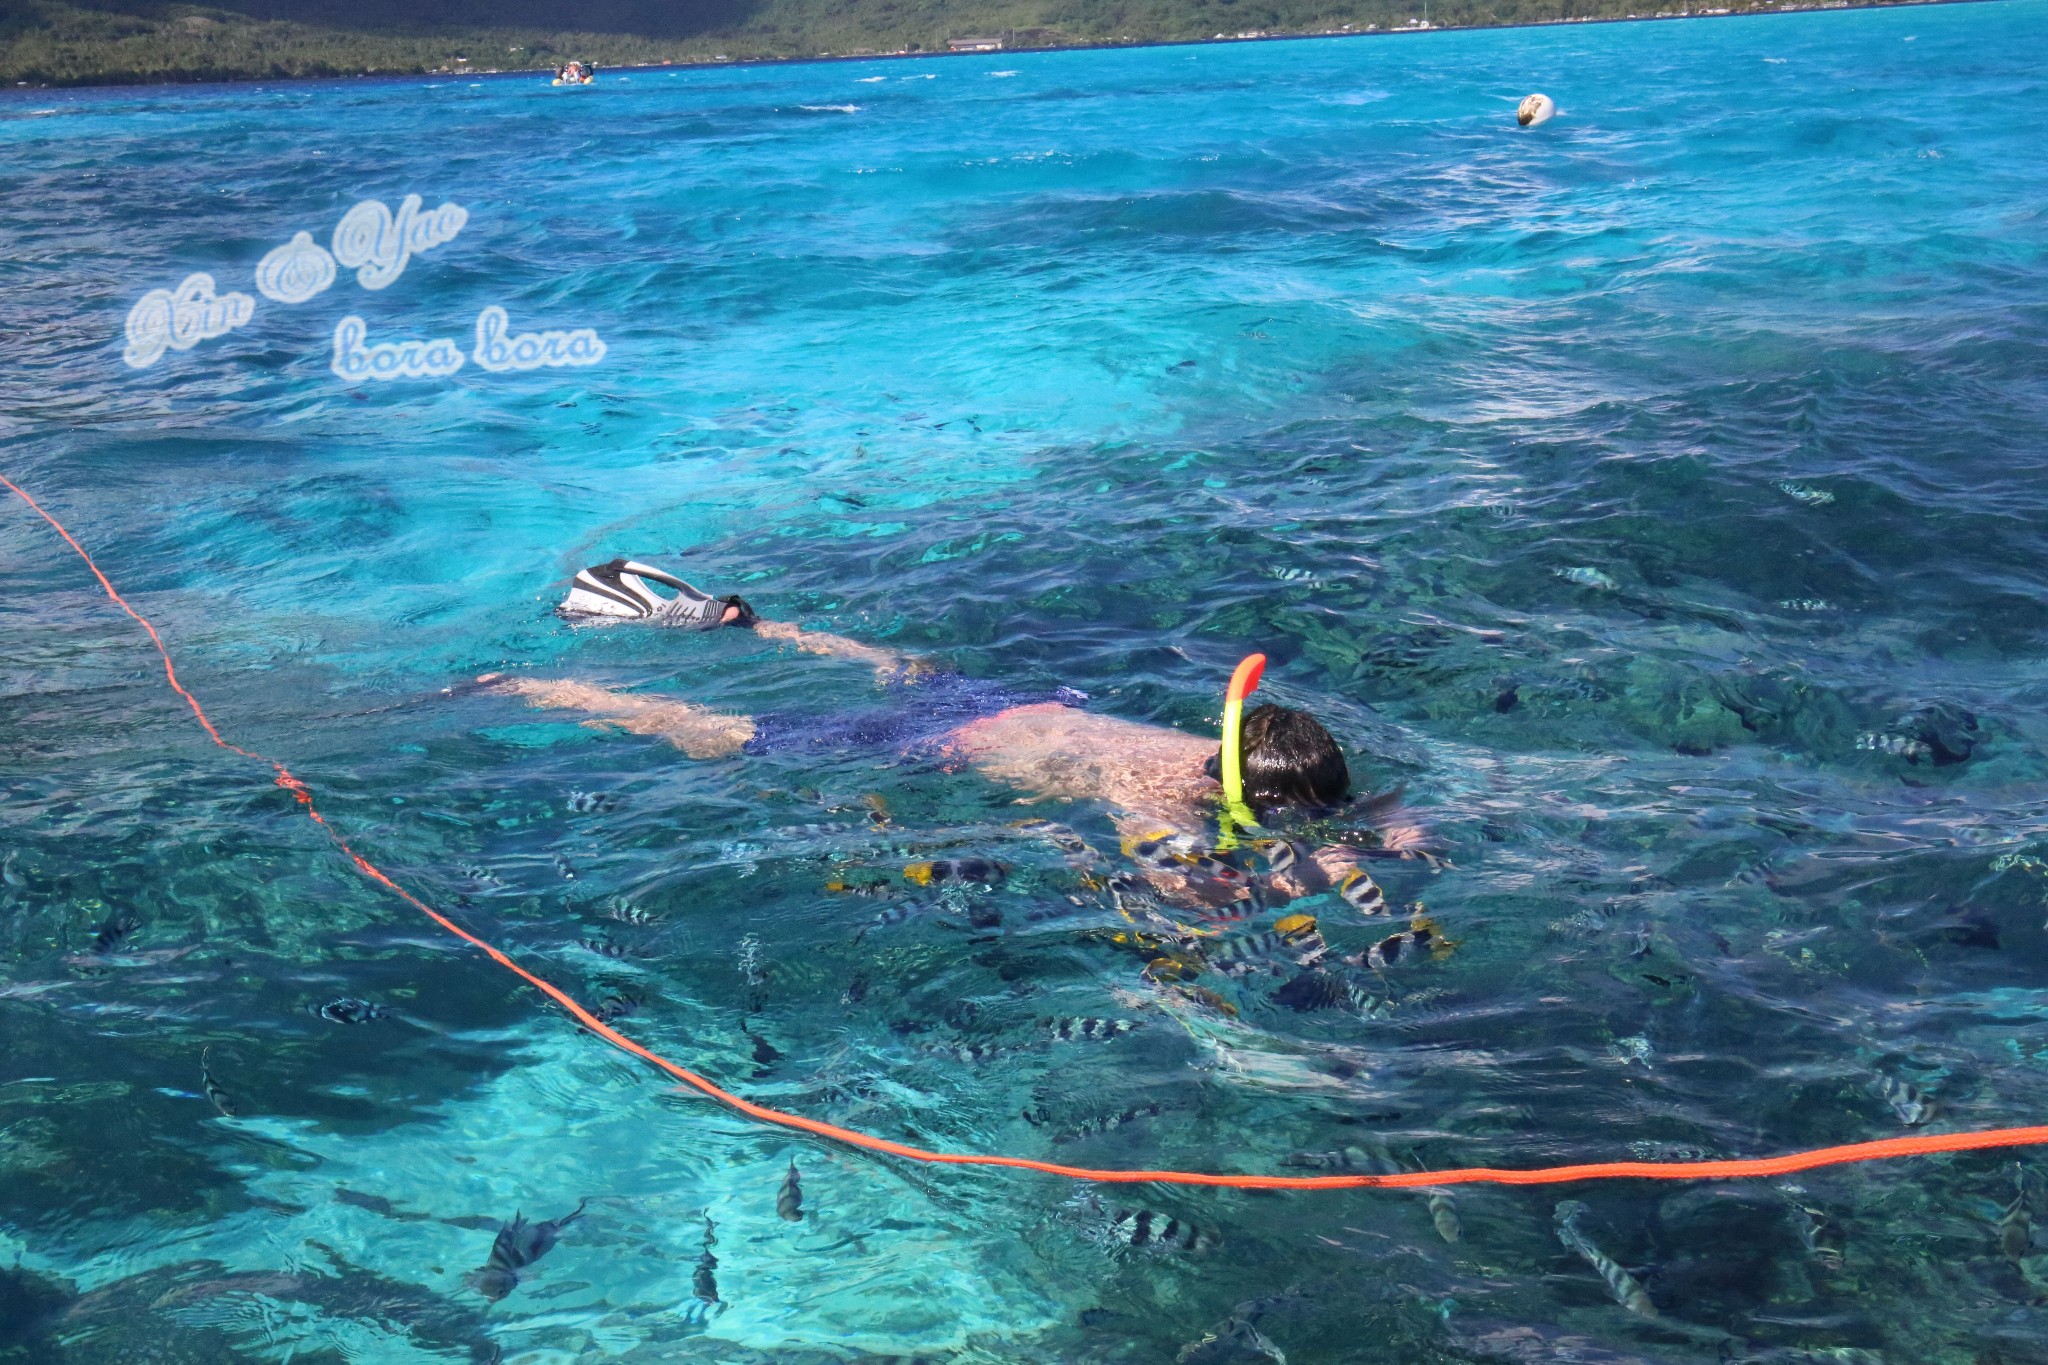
<point x="1161" y="784"/>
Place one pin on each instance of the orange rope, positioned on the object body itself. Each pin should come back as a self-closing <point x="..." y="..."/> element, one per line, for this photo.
<point x="1886" y="1148"/>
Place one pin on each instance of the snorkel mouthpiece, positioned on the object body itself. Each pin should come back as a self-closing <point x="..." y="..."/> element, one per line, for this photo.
<point x="1242" y="683"/>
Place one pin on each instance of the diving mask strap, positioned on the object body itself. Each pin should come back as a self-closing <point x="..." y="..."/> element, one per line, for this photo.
<point x="1236" y="814"/>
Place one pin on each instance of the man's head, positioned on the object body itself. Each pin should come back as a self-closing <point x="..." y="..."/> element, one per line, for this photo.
<point x="1290" y="759"/>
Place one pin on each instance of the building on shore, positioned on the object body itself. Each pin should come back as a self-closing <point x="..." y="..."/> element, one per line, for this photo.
<point x="974" y="44"/>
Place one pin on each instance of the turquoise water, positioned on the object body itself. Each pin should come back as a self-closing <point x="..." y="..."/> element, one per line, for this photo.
<point x="1639" y="490"/>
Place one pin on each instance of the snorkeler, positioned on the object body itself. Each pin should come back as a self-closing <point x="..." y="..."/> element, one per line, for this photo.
<point x="1161" y="783"/>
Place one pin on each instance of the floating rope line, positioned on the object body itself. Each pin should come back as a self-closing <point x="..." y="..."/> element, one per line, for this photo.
<point x="1919" y="1144"/>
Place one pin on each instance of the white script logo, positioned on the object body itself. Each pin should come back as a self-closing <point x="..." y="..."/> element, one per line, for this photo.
<point x="530" y="350"/>
<point x="390" y="359"/>
<point x="179" y="319"/>
<point x="295" y="271"/>
<point x="376" y="245"/>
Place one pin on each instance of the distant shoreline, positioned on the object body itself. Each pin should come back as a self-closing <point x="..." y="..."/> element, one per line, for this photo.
<point x="1758" y="10"/>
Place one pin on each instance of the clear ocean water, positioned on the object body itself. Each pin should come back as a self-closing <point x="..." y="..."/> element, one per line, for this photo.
<point x="1655" y="494"/>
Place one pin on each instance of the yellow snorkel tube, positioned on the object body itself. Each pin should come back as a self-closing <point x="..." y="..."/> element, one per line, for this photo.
<point x="1236" y="814"/>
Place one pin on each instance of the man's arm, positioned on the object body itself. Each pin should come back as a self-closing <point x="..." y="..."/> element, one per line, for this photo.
<point x="887" y="663"/>
<point x="698" y="731"/>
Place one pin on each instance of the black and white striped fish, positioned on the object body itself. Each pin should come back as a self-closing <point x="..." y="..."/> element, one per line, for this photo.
<point x="1815" y="1229"/>
<point x="628" y="911"/>
<point x="2015" y="1223"/>
<point x="1091" y="1125"/>
<point x="1898" y="746"/>
<point x="591" y="803"/>
<point x="1071" y="1030"/>
<point x="888" y="918"/>
<point x="957" y="871"/>
<point x="1171" y="850"/>
<point x="1059" y="836"/>
<point x="869" y="890"/>
<point x="114" y="931"/>
<point x="1913" y="1106"/>
<point x="1143" y="1229"/>
<point x="1406" y="946"/>
<point x="348" y="1010"/>
<point x="1342" y="1159"/>
<point x="704" y="1279"/>
<point x="213" y="1088"/>
<point x="1359" y="891"/>
<point x="1620" y="1283"/>
<point x="1293" y="939"/>
<point x="518" y="1245"/>
<point x="789" y="1200"/>
<point x="1317" y="988"/>
<point x="970" y="1053"/>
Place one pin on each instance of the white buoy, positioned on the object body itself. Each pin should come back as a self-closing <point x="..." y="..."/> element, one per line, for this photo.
<point x="1535" y="109"/>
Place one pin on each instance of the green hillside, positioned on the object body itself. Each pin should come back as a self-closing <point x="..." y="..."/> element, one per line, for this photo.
<point x="44" y="42"/>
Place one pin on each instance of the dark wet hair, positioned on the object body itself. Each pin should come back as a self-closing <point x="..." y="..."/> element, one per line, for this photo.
<point x="1289" y="759"/>
<point x="746" y="616"/>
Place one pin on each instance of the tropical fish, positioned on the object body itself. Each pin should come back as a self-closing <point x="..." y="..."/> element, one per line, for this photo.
<point x="1898" y="746"/>
<point x="960" y="871"/>
<point x="220" y="1097"/>
<point x="591" y="803"/>
<point x="1805" y="604"/>
<point x="1319" y="989"/>
<point x="1290" y="574"/>
<point x="1799" y="492"/>
<point x="1282" y="855"/>
<point x="1146" y="1230"/>
<point x="384" y="1208"/>
<point x="1362" y="893"/>
<point x="1161" y="849"/>
<point x="1069" y="1030"/>
<point x="615" y="1007"/>
<point x="1671" y="1151"/>
<point x="970" y="1053"/>
<point x="749" y="960"/>
<point x="872" y="890"/>
<point x="348" y="1010"/>
<point x="1172" y="851"/>
<point x="1093" y="1124"/>
<point x="564" y="868"/>
<point x="2015" y="1224"/>
<point x="1236" y="1340"/>
<point x="480" y="875"/>
<point x="1443" y="1215"/>
<point x="1584" y="577"/>
<point x="627" y="911"/>
<point x="1202" y="995"/>
<point x="1907" y="1100"/>
<point x="1620" y="1283"/>
<point x="1816" y="1230"/>
<point x="8" y="875"/>
<point x="703" y="1282"/>
<point x="1343" y="1159"/>
<point x="114" y="932"/>
<point x="605" y="947"/>
<point x="789" y="1200"/>
<point x="1294" y="938"/>
<point x="1409" y="944"/>
<point x="1059" y="836"/>
<point x="518" y="1245"/>
<point x="887" y="919"/>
